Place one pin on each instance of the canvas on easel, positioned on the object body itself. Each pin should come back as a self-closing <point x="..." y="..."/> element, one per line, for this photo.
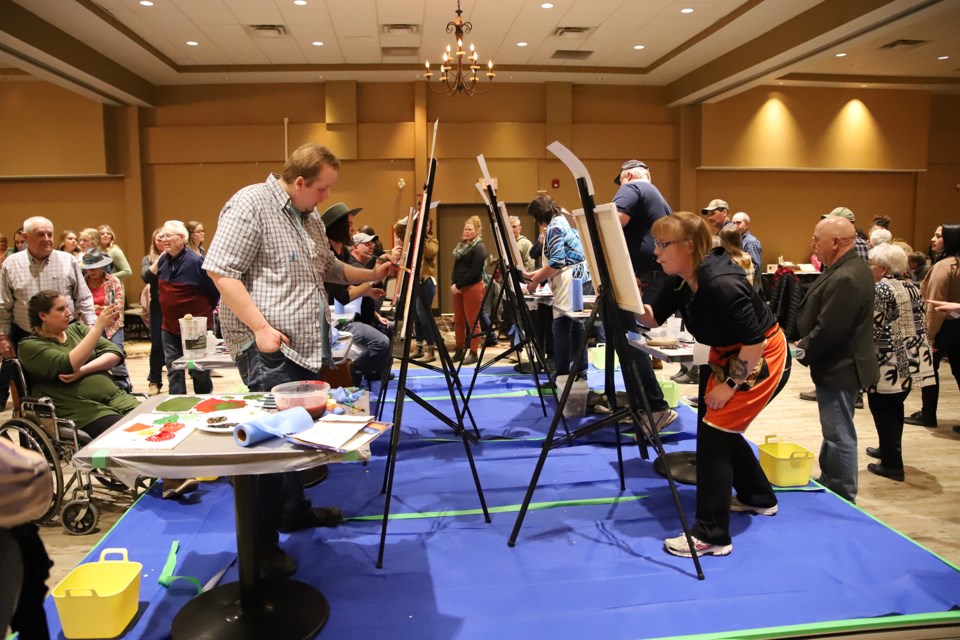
<point x="615" y="248"/>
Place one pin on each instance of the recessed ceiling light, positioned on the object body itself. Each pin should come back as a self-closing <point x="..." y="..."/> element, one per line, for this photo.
<point x="521" y="44"/>
<point x="638" y="47"/>
<point x="863" y="86"/>
<point x="320" y="77"/>
<point x="547" y="5"/>
<point x="146" y="3"/>
<point x="300" y="3"/>
<point x="840" y="55"/>
<point x="317" y="43"/>
<point x="687" y="10"/>
<point x="192" y="43"/>
<point x="943" y="58"/>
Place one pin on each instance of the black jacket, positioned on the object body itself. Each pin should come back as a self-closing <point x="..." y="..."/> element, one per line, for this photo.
<point x="785" y="301"/>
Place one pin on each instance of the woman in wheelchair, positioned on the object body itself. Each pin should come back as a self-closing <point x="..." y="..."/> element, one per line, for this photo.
<point x="70" y="364"/>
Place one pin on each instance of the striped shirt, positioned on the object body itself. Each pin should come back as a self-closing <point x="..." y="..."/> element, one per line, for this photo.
<point x="280" y="255"/>
<point x="22" y="276"/>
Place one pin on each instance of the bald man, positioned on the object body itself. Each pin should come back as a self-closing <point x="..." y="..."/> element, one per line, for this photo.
<point x="836" y="321"/>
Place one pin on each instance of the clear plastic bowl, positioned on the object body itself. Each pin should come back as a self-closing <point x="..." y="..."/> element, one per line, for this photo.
<point x="309" y="394"/>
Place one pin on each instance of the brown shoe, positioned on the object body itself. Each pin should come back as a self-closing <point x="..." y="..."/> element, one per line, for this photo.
<point x="470" y="358"/>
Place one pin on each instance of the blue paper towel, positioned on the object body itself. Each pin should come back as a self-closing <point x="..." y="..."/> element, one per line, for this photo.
<point x="293" y="420"/>
<point x="576" y="294"/>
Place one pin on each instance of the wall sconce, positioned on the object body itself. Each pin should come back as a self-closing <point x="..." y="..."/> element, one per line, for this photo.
<point x="401" y="183"/>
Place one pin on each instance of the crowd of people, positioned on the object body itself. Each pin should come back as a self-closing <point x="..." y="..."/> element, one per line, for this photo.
<point x="878" y="320"/>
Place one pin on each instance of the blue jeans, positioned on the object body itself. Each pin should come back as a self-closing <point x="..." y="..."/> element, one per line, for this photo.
<point x="838" y="453"/>
<point x="176" y="380"/>
<point x="425" y="311"/>
<point x="120" y="372"/>
<point x="262" y="372"/>
<point x="567" y="336"/>
<point x="376" y="349"/>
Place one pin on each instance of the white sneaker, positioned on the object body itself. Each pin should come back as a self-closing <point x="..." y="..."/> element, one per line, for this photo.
<point x="660" y="418"/>
<point x="736" y="505"/>
<point x="678" y="546"/>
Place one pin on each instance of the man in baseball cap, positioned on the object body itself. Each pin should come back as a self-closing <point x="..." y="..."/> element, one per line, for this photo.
<point x="718" y="214"/>
<point x="842" y="211"/>
<point x="628" y="165"/>
<point x="860" y="242"/>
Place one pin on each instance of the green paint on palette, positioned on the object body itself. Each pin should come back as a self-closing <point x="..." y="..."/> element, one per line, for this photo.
<point x="180" y="403"/>
<point x="165" y="419"/>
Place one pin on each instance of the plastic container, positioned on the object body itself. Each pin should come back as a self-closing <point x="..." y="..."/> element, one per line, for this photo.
<point x="309" y="394"/>
<point x="671" y="392"/>
<point x="99" y="599"/>
<point x="785" y="463"/>
<point x="576" y="406"/>
<point x="598" y="357"/>
<point x="193" y="336"/>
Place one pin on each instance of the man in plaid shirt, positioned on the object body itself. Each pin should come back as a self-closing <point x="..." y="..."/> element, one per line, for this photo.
<point x="269" y="259"/>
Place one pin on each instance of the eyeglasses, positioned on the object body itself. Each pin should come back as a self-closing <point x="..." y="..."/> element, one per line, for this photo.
<point x="659" y="244"/>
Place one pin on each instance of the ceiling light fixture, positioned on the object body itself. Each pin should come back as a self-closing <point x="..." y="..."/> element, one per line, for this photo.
<point x="458" y="71"/>
<point x="317" y="43"/>
<point x="192" y="43"/>
<point x="521" y="44"/>
<point x="687" y="10"/>
<point x="300" y="3"/>
<point x="547" y="5"/>
<point x="840" y="55"/>
<point x="638" y="47"/>
<point x="943" y="58"/>
<point x="146" y="3"/>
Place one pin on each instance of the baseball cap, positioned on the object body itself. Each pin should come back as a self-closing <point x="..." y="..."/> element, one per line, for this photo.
<point x="360" y="238"/>
<point x="715" y="204"/>
<point x="841" y="211"/>
<point x="629" y="164"/>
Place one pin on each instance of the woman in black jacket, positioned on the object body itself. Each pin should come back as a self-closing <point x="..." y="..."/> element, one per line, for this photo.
<point x="469" y="257"/>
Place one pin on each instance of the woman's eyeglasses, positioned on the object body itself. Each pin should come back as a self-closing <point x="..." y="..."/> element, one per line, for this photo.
<point x="659" y="244"/>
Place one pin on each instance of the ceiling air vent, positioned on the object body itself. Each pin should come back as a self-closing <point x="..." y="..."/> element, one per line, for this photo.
<point x="570" y="54"/>
<point x="903" y="44"/>
<point x="400" y="29"/>
<point x="571" y="33"/>
<point x="399" y="52"/>
<point x="266" y="30"/>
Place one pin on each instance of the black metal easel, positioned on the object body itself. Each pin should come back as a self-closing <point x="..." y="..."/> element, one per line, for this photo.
<point x="609" y="310"/>
<point x="404" y="320"/>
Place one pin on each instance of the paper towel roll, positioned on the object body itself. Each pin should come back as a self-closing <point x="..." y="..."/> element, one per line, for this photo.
<point x="293" y="420"/>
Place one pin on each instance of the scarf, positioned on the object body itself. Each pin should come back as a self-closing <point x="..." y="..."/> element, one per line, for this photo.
<point x="463" y="247"/>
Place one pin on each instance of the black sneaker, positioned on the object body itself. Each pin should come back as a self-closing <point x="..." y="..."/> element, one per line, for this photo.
<point x="873" y="452"/>
<point x="916" y="418"/>
<point x="311" y="518"/>
<point x="878" y="469"/>
<point x="272" y="562"/>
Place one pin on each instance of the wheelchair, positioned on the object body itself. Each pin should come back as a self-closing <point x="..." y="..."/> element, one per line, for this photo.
<point x="35" y="426"/>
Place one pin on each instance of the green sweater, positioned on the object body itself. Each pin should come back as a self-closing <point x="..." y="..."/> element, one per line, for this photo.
<point x="91" y="397"/>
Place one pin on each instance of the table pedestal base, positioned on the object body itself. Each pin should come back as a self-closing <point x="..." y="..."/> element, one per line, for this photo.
<point x="683" y="466"/>
<point x="286" y="609"/>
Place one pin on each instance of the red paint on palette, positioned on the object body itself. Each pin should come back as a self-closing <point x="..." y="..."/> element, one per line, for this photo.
<point x="161" y="436"/>
<point x="218" y="404"/>
<point x="172" y="427"/>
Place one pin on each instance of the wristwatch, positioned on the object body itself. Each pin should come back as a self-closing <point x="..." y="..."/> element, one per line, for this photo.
<point x="733" y="384"/>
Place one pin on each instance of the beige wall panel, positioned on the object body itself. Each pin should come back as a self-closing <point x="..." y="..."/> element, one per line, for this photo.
<point x="231" y="143"/>
<point x="341" y="138"/>
<point x="380" y="141"/>
<point x="46" y="130"/>
<point x="237" y="104"/>
<point x="69" y="204"/>
<point x="785" y="206"/>
<point x="457" y="179"/>
<point x="943" y="112"/>
<point x="618" y="104"/>
<point x="504" y="103"/>
<point x="562" y="132"/>
<point x="493" y="140"/>
<point x="945" y="146"/>
<point x="559" y="97"/>
<point x="641" y="141"/>
<point x="942" y="184"/>
<point x="806" y="127"/>
<point x="373" y="186"/>
<point x="341" y="102"/>
<point x="385" y="102"/>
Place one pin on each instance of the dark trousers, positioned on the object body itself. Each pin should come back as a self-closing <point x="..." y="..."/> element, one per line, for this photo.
<point x="947" y="343"/>
<point x="177" y="379"/>
<point x="651" y="386"/>
<point x="277" y="494"/>
<point x="29" y="618"/>
<point x="887" y="410"/>
<point x="425" y="311"/>
<point x="567" y="336"/>
<point x="16" y="335"/>
<point x="156" y="345"/>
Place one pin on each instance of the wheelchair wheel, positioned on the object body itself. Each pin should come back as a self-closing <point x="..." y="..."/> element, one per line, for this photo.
<point x="29" y="436"/>
<point x="79" y="517"/>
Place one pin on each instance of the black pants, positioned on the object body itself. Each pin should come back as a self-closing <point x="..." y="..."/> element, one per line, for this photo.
<point x="947" y="344"/>
<point x="887" y="410"/>
<point x="29" y="618"/>
<point x="16" y="335"/>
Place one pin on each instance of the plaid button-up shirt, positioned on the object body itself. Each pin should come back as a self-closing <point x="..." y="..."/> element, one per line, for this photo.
<point x="280" y="256"/>
<point x="23" y="276"/>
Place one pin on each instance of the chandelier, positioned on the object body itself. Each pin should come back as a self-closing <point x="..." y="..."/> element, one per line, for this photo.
<point x="458" y="71"/>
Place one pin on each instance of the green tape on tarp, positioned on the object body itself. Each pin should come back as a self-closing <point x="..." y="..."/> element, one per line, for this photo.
<point x="508" y="508"/>
<point x="99" y="458"/>
<point x="166" y="576"/>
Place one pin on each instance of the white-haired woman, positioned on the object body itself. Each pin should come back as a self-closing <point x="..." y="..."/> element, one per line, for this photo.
<point x="900" y="340"/>
<point x="184" y="288"/>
